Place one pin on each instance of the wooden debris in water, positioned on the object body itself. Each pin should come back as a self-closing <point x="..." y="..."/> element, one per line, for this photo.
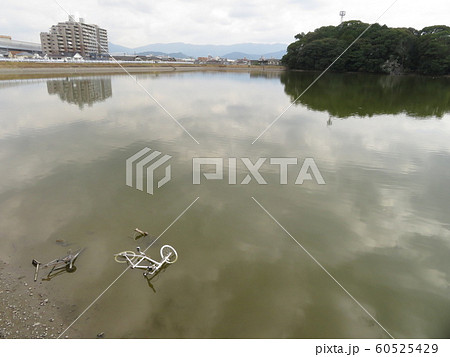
<point x="140" y="233"/>
<point x="36" y="264"/>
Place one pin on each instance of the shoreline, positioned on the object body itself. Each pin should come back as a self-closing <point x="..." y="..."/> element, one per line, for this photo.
<point x="21" y="70"/>
<point x="405" y="74"/>
<point x="28" y="309"/>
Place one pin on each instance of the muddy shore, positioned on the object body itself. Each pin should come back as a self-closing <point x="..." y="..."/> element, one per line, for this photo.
<point x="27" y="309"/>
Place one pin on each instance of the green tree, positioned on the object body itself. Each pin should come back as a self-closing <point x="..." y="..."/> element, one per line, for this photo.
<point x="380" y="49"/>
<point x="433" y="50"/>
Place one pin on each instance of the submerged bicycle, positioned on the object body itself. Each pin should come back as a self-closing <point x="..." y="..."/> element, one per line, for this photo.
<point x="141" y="261"/>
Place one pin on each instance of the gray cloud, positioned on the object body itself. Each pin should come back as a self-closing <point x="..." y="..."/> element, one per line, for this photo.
<point x="135" y="23"/>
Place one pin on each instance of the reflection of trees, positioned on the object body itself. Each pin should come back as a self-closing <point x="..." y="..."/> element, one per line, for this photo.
<point x="344" y="95"/>
<point x="265" y="74"/>
<point x="81" y="91"/>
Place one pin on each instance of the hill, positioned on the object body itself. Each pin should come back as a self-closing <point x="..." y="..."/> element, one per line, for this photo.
<point x="238" y="55"/>
<point x="117" y="49"/>
<point x="249" y="50"/>
<point x="156" y="53"/>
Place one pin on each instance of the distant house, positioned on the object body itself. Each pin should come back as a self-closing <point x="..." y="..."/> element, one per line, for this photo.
<point x="141" y="58"/>
<point x="77" y="57"/>
<point x="55" y="57"/>
<point x="218" y="60"/>
<point x="138" y="58"/>
<point x="24" y="55"/>
<point x="266" y="62"/>
<point x="242" y="61"/>
<point x="213" y="61"/>
<point x="201" y="60"/>
<point x="153" y="58"/>
<point x="274" y="62"/>
<point x="262" y="61"/>
<point x="125" y="57"/>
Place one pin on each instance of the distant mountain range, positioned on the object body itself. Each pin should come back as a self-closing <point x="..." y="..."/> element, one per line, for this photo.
<point x="157" y="53"/>
<point x="186" y="50"/>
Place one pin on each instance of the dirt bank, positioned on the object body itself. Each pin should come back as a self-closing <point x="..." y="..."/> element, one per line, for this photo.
<point x="13" y="70"/>
<point x="27" y="310"/>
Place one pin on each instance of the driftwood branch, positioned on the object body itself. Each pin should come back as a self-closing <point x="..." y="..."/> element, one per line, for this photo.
<point x="142" y="233"/>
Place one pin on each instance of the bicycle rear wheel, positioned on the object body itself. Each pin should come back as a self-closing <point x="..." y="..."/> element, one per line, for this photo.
<point x="125" y="257"/>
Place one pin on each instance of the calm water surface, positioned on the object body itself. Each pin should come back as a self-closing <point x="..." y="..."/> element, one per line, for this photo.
<point x="380" y="225"/>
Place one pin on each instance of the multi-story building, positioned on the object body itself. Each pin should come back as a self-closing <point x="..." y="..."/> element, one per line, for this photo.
<point x="71" y="37"/>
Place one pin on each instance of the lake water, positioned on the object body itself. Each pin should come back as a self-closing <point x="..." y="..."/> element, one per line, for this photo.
<point x="380" y="225"/>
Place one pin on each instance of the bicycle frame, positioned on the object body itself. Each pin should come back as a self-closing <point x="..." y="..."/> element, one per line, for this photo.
<point x="142" y="261"/>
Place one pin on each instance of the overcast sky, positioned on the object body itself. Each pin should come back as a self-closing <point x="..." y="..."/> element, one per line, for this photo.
<point x="134" y="23"/>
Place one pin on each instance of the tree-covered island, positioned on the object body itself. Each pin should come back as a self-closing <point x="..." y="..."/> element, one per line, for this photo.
<point x="380" y="50"/>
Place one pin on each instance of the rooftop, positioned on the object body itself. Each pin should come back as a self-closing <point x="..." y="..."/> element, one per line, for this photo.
<point x="6" y="43"/>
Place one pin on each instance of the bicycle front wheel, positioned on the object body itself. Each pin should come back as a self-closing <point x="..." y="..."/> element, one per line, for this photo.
<point x="170" y="252"/>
